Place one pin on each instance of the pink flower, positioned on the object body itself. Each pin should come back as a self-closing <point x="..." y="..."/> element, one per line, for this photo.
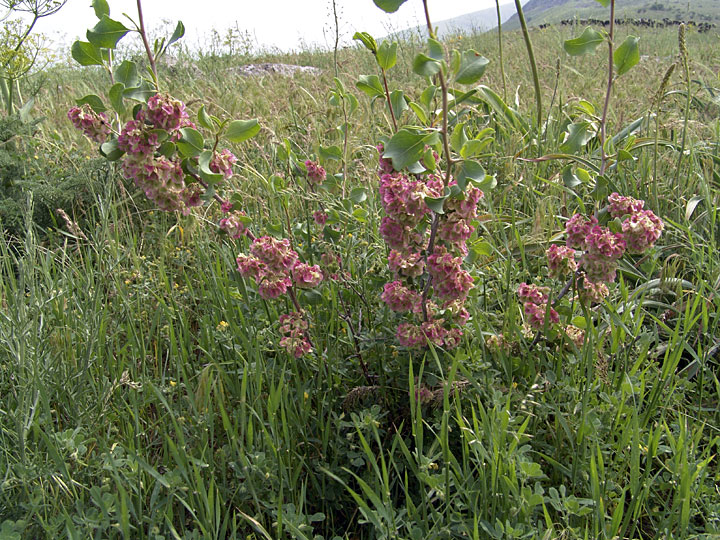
<point x="406" y="264"/>
<point x="226" y="207"/>
<point x="320" y="218"/>
<point x="434" y="332"/>
<point x="136" y="140"/>
<point x="620" y="206"/>
<point x="591" y="292"/>
<point x="398" y="236"/>
<point x="399" y="298"/>
<point x="276" y="254"/>
<point x="165" y="112"/>
<point x="641" y="230"/>
<point x="536" y="315"/>
<point x="191" y="195"/>
<point x="561" y="260"/>
<point x="233" y="225"/>
<point x="295" y="340"/>
<point x="410" y="335"/>
<point x="533" y="293"/>
<point x="577" y="228"/>
<point x="306" y="276"/>
<point x="450" y="281"/>
<point x="403" y="199"/>
<point x="384" y="164"/>
<point x="452" y="338"/>
<point x="603" y="249"/>
<point x="316" y="174"/>
<point x="251" y="267"/>
<point x="222" y="163"/>
<point x="273" y="285"/>
<point x="95" y="126"/>
<point x="575" y="334"/>
<point x="467" y="207"/>
<point x="160" y="178"/>
<point x="297" y="346"/>
<point x="455" y="231"/>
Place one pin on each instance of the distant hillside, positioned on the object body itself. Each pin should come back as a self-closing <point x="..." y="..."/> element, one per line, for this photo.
<point x="553" y="11"/>
<point x="476" y="21"/>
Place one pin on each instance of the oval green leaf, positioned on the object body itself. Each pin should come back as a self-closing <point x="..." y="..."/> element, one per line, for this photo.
<point x="242" y="130"/>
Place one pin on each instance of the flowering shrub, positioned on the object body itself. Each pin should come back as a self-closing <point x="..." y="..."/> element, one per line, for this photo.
<point x="591" y="256"/>
<point x="426" y="254"/>
<point x="95" y="126"/>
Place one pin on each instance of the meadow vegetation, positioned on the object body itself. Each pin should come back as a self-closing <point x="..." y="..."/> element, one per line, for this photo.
<point x="146" y="393"/>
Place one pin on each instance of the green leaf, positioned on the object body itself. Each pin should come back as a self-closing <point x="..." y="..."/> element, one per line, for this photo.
<point x="367" y="40"/>
<point x="587" y="42"/>
<point x="127" y="74"/>
<point x="330" y="152"/>
<point x="204" y="160"/>
<point x="167" y="149"/>
<point x="429" y="160"/>
<point x="458" y="138"/>
<point x="436" y="50"/>
<point x="577" y="136"/>
<point x="477" y="250"/>
<point x="177" y="34"/>
<point x="139" y="93"/>
<point x="387" y="54"/>
<point x="110" y="151"/>
<point x="406" y="147"/>
<point x="604" y="3"/>
<point x="86" y="54"/>
<point x="569" y="178"/>
<point x="692" y="205"/>
<point x="474" y="146"/>
<point x="470" y="170"/>
<point x="436" y="204"/>
<point x="472" y="67"/>
<point x="242" y="130"/>
<point x="419" y="112"/>
<point x="399" y="102"/>
<point x="371" y="85"/>
<point x="101" y="8"/>
<point x="358" y="195"/>
<point x="627" y="55"/>
<point x="427" y="96"/>
<point x="192" y="143"/>
<point x="389" y="6"/>
<point x="107" y="33"/>
<point x="204" y="118"/>
<point x="361" y="215"/>
<point x="96" y="104"/>
<point x="425" y="66"/>
<point x="115" y="94"/>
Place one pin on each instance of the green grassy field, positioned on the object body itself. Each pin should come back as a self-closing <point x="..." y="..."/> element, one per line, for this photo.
<point x="145" y="396"/>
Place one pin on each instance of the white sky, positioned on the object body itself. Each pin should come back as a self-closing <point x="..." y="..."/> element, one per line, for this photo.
<point x="284" y="24"/>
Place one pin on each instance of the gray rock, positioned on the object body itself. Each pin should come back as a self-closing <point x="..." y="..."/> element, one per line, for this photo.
<point x="267" y="68"/>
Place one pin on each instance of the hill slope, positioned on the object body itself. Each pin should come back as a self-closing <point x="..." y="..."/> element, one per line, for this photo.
<point x="476" y="21"/>
<point x="553" y="11"/>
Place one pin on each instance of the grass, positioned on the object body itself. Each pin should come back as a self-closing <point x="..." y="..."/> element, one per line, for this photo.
<point x="144" y="395"/>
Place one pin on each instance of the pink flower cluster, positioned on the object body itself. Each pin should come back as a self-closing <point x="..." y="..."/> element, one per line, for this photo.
<point x="561" y="260"/>
<point x="316" y="174"/>
<point x="535" y="305"/>
<point x="222" y="163"/>
<point x="406" y="229"/>
<point x="232" y="224"/>
<point x="160" y="176"/>
<point x="274" y="265"/>
<point x="602" y="248"/>
<point x="95" y="126"/>
<point x="294" y="328"/>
